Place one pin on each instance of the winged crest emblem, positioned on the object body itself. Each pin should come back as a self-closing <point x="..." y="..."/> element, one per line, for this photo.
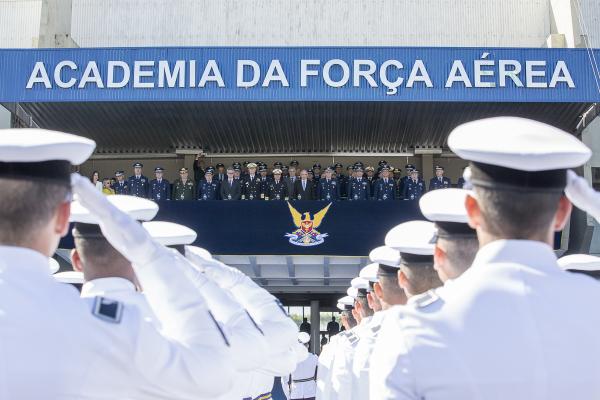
<point x="306" y="233"/>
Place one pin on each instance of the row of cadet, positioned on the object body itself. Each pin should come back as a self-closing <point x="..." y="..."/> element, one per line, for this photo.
<point x="508" y="322"/>
<point x="154" y="318"/>
<point x="407" y="276"/>
<point x="256" y="183"/>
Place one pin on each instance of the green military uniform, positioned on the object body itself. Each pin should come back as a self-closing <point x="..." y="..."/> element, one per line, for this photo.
<point x="184" y="191"/>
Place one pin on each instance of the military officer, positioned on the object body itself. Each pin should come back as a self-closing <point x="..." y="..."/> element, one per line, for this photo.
<point x="518" y="171"/>
<point x="160" y="189"/>
<point x="398" y="179"/>
<point x="439" y="181"/>
<point x="252" y="188"/>
<point x="121" y="186"/>
<point x="402" y="183"/>
<point x="295" y="164"/>
<point x="316" y="169"/>
<point x="328" y="189"/>
<point x="220" y="174"/>
<point x="384" y="187"/>
<point x="264" y="178"/>
<point x="237" y="172"/>
<point x="208" y="189"/>
<point x="342" y="180"/>
<point x="277" y="165"/>
<point x="358" y="187"/>
<point x="277" y="188"/>
<point x="139" y="185"/>
<point x="414" y="187"/>
<point x="184" y="188"/>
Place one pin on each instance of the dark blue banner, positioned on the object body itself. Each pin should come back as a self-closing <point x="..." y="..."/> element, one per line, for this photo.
<point x="273" y="228"/>
<point x="299" y="74"/>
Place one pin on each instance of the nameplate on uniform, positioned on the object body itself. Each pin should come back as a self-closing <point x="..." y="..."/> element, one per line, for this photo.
<point x="107" y="309"/>
<point x="352" y="338"/>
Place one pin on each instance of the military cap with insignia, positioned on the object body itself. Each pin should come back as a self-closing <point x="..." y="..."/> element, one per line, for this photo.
<point x="285" y="168"/>
<point x="277" y="171"/>
<point x="439" y="168"/>
<point x="294" y="163"/>
<point x="338" y="165"/>
<point x="183" y="169"/>
<point x="358" y="168"/>
<point x="317" y="165"/>
<point x="369" y="272"/>
<point x="119" y="173"/>
<point x="236" y="165"/>
<point x="447" y="209"/>
<point x="170" y="233"/>
<point x="159" y="169"/>
<point x="409" y="167"/>
<point x="40" y="154"/>
<point x="220" y="165"/>
<point x="209" y="171"/>
<point x="385" y="167"/>
<point x="347" y="303"/>
<point x="262" y="168"/>
<point x="277" y="164"/>
<point x="382" y="162"/>
<point x="329" y="169"/>
<point x="236" y="168"/>
<point x="251" y="165"/>
<point x="352" y="292"/>
<point x="138" y="165"/>
<point x="369" y="168"/>
<point x="511" y="153"/>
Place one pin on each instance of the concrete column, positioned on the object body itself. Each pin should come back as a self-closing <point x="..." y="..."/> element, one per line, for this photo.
<point x="564" y="28"/>
<point x="427" y="167"/>
<point x="5" y="118"/>
<point x="315" y="324"/>
<point x="55" y="24"/>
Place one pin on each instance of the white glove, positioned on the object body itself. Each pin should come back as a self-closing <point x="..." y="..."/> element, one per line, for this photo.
<point x="582" y="195"/>
<point x="225" y="276"/>
<point x="122" y="232"/>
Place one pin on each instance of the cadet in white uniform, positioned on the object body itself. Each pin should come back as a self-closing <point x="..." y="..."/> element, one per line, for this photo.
<point x="341" y="368"/>
<point x="58" y="346"/>
<point x="346" y="305"/>
<point x="514" y="325"/>
<point x="302" y="383"/>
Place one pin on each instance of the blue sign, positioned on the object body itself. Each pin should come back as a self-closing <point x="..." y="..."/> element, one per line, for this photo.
<point x="299" y="74"/>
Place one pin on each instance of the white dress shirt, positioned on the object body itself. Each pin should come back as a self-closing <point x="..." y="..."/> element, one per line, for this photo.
<point x="513" y="326"/>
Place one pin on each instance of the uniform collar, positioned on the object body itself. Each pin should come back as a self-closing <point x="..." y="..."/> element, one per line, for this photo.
<point x="23" y="260"/>
<point x="102" y="286"/>
<point x="529" y="253"/>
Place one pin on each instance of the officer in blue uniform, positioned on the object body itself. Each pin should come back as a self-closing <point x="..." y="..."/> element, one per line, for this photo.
<point x="160" y="189"/>
<point x="264" y="178"/>
<point x="439" y="181"/>
<point x="277" y="188"/>
<point x="358" y="187"/>
<point x="384" y="188"/>
<point x="316" y="173"/>
<point x="208" y="189"/>
<point x="139" y="185"/>
<point x="414" y="187"/>
<point x="328" y="188"/>
<point x="121" y="186"/>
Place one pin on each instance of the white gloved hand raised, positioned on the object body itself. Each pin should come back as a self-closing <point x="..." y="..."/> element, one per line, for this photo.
<point x="582" y="195"/>
<point x="225" y="276"/>
<point x="122" y="232"/>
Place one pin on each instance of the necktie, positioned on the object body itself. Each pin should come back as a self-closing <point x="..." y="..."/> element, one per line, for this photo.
<point x="303" y="185"/>
<point x="230" y="182"/>
<point x="385" y="181"/>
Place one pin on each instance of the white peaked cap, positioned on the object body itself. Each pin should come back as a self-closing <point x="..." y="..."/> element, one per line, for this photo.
<point x="347" y="301"/>
<point x="413" y="237"/>
<point x="580" y="262"/>
<point x="136" y="207"/>
<point x="53" y="265"/>
<point x="518" y="143"/>
<point x="370" y="272"/>
<point x="39" y="145"/>
<point x="72" y="277"/>
<point x="352" y="292"/>
<point x="303" y="337"/>
<point x="446" y="205"/>
<point x="385" y="255"/>
<point x="360" y="283"/>
<point x="170" y="233"/>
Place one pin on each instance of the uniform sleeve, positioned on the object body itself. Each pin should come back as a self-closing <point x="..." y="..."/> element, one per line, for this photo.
<point x="391" y="376"/>
<point x="341" y="372"/>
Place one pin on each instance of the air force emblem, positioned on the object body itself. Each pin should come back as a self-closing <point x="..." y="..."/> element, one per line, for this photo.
<point x="307" y="234"/>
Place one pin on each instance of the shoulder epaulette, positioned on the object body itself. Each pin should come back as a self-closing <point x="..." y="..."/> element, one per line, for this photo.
<point x="107" y="310"/>
<point x="426" y="299"/>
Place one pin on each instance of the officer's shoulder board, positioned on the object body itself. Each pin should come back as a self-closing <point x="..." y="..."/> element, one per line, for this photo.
<point x="426" y="299"/>
<point x="107" y="309"/>
<point x="376" y="328"/>
<point x="352" y="338"/>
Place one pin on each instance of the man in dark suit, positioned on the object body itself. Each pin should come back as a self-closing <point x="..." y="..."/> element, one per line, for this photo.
<point x="303" y="188"/>
<point x="290" y="182"/>
<point x="230" y="188"/>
